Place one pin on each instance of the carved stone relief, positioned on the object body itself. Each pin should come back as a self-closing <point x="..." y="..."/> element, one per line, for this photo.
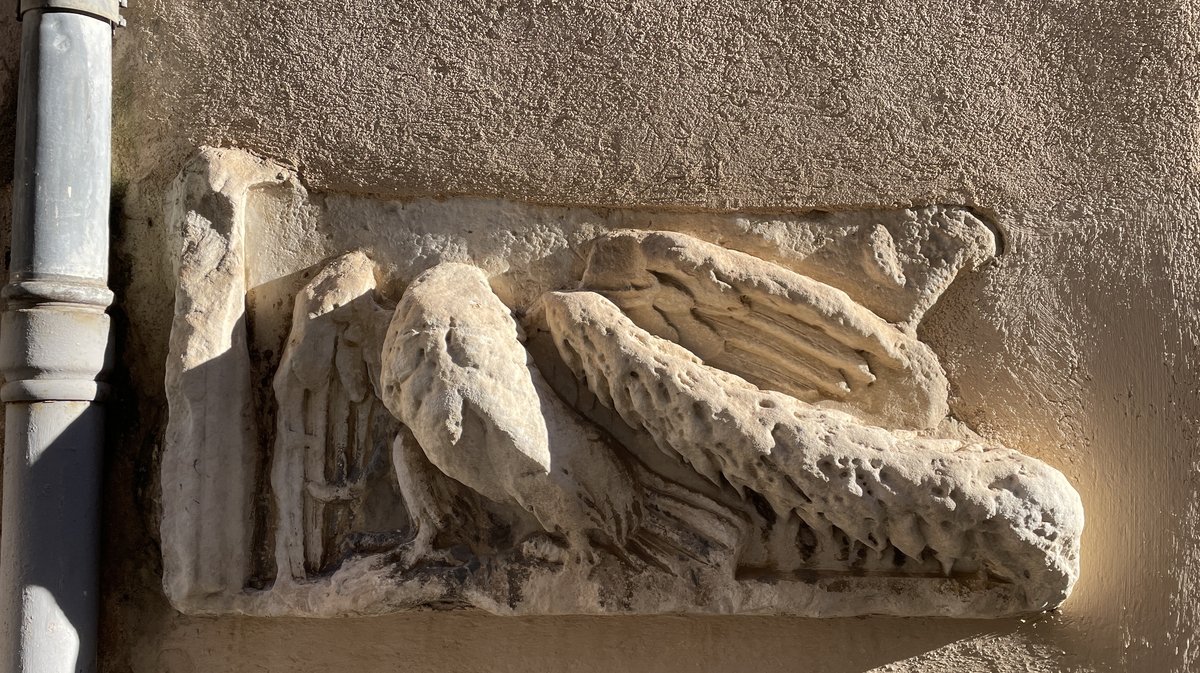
<point x="532" y="410"/>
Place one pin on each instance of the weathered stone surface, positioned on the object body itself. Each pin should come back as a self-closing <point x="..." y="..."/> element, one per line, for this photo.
<point x="777" y="329"/>
<point x="209" y="458"/>
<point x="1072" y="126"/>
<point x="858" y="489"/>
<point x="457" y="376"/>
<point x="329" y="412"/>
<point x="662" y="424"/>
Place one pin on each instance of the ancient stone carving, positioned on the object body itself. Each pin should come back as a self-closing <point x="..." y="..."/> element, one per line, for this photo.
<point x="457" y="376"/>
<point x="777" y="329"/>
<point x="329" y="416"/>
<point x="663" y="424"/>
<point x="855" y="487"/>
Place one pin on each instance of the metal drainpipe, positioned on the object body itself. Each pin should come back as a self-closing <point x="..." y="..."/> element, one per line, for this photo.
<point x="53" y="338"/>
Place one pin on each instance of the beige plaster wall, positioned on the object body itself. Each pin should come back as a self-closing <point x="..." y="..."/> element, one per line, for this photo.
<point x="1072" y="123"/>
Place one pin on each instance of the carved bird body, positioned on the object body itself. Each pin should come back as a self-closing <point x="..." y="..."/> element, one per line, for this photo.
<point x="772" y="386"/>
<point x="775" y="328"/>
<point x="455" y="372"/>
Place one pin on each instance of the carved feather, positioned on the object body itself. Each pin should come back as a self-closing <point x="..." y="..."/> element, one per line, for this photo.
<point x="328" y="414"/>
<point x="773" y="327"/>
<point x="966" y="504"/>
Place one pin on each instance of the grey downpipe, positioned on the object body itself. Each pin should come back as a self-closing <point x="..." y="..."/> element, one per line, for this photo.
<point x="53" y="339"/>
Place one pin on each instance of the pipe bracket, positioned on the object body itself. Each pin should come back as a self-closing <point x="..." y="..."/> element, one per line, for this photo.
<point x="105" y="10"/>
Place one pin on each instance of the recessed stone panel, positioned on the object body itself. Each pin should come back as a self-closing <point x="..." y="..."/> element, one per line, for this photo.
<point x="531" y="409"/>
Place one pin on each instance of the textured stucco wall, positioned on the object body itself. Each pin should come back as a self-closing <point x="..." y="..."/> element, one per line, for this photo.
<point x="1073" y="124"/>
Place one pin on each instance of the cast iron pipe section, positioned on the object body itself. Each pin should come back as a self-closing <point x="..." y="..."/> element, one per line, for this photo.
<point x="53" y="338"/>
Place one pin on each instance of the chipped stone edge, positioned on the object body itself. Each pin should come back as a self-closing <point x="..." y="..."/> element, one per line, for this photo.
<point x="208" y="462"/>
<point x="207" y="486"/>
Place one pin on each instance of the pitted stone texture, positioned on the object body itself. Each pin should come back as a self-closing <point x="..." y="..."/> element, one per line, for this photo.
<point x="457" y="376"/>
<point x="453" y="429"/>
<point x="775" y="328"/>
<point x="855" y="487"/>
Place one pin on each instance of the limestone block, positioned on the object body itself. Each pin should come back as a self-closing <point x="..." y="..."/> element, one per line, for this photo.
<point x="210" y="446"/>
<point x="859" y="489"/>
<point x="537" y="410"/>
<point x="773" y="327"/>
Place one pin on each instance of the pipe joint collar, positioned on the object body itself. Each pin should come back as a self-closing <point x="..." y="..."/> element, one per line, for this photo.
<point x="26" y="292"/>
<point x="51" y="390"/>
<point x="53" y="352"/>
<point x="105" y="10"/>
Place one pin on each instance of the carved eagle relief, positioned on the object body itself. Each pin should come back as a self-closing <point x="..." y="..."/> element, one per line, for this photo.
<point x="683" y="419"/>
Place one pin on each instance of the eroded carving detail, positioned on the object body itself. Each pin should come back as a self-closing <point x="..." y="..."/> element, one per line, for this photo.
<point x="857" y="488"/>
<point x="775" y="328"/>
<point x="673" y="426"/>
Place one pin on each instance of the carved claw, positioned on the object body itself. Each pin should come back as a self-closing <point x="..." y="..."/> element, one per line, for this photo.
<point x="583" y="553"/>
<point x="345" y="491"/>
<point x="400" y="548"/>
<point x="419" y="550"/>
<point x="553" y="549"/>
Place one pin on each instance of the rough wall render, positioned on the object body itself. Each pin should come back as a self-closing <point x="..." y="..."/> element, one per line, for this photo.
<point x="1071" y="126"/>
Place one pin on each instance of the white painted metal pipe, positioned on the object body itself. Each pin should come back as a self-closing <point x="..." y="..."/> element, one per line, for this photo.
<point x="53" y="339"/>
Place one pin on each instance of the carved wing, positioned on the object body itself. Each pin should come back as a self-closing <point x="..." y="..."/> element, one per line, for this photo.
<point x="332" y="428"/>
<point x="773" y="327"/>
<point x="458" y="375"/>
<point x="966" y="507"/>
